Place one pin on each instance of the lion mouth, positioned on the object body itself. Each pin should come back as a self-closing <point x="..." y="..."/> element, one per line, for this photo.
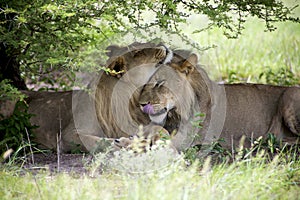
<point x="148" y="109"/>
<point x="160" y="112"/>
<point x="156" y="117"/>
<point x="159" y="118"/>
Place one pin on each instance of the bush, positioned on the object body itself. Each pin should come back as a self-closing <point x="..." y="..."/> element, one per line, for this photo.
<point x="14" y="129"/>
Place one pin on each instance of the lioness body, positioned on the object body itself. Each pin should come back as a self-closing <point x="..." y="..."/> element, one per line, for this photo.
<point x="256" y="110"/>
<point x="53" y="113"/>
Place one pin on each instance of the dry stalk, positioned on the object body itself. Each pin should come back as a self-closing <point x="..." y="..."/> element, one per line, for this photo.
<point x="58" y="138"/>
<point x="232" y="148"/>
<point x="30" y="148"/>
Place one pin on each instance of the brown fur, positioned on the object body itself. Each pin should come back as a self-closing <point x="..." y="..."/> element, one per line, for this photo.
<point x="231" y="111"/>
<point x="52" y="113"/>
<point x="116" y="98"/>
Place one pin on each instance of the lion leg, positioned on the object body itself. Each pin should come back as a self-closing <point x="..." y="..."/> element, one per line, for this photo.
<point x="74" y="139"/>
<point x="289" y="106"/>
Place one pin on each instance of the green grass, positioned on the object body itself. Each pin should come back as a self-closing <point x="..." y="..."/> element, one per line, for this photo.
<point x="247" y="179"/>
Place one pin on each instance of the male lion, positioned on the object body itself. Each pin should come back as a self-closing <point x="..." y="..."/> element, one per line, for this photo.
<point x="116" y="102"/>
<point x="80" y="120"/>
<point x="181" y="89"/>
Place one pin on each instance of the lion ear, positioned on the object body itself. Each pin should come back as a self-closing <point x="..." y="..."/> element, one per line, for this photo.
<point x="189" y="64"/>
<point x="117" y="66"/>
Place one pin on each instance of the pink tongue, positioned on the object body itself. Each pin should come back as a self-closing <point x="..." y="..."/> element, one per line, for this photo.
<point x="148" y="109"/>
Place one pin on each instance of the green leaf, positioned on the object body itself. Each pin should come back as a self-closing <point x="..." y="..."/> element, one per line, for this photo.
<point x="18" y="126"/>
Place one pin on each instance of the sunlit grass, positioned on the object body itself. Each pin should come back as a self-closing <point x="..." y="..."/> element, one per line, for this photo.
<point x="253" y="52"/>
<point x="249" y="179"/>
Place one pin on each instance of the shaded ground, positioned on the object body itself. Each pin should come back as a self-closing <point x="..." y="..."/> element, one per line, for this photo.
<point x="68" y="163"/>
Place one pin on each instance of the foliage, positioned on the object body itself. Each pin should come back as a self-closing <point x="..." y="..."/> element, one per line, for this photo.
<point x="267" y="147"/>
<point x="129" y="162"/>
<point x="50" y="36"/>
<point x="282" y="76"/>
<point x="9" y="92"/>
<point x="16" y="129"/>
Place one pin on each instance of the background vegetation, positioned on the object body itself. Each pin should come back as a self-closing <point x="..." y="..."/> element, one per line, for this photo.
<point x="275" y="55"/>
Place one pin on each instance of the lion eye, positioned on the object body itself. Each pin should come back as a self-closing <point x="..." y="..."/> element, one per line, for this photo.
<point x="159" y="83"/>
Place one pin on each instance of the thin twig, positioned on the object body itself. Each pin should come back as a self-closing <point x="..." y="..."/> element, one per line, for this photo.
<point x="32" y="157"/>
<point x="7" y="150"/>
<point x="232" y="147"/>
<point x="58" y="137"/>
<point x="38" y="187"/>
<point x="252" y="139"/>
<point x="58" y="159"/>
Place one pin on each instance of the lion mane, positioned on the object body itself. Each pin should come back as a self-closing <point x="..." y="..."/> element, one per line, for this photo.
<point x="117" y="108"/>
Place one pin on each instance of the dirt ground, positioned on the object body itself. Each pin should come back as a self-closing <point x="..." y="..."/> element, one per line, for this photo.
<point x="67" y="163"/>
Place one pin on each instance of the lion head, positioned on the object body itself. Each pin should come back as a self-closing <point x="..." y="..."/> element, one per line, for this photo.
<point x="175" y="93"/>
<point x="84" y="118"/>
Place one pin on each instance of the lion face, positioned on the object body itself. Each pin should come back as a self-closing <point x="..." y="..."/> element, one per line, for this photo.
<point x="168" y="91"/>
<point x="156" y="100"/>
<point x="135" y="143"/>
